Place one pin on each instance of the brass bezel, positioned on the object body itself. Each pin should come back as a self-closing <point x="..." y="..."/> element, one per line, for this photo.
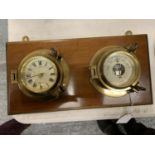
<point x="97" y="77"/>
<point x="63" y="75"/>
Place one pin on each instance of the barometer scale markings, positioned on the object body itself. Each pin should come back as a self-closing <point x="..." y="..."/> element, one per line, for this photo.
<point x="117" y="60"/>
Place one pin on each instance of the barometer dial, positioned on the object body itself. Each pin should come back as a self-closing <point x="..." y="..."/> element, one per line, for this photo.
<point x="119" y="69"/>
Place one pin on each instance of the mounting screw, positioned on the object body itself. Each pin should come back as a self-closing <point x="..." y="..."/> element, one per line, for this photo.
<point x="128" y="33"/>
<point x="25" y="38"/>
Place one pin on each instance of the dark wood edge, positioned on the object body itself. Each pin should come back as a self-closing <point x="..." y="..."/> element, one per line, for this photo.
<point x="69" y="109"/>
<point x="7" y="77"/>
<point x="149" y="69"/>
<point x="70" y="39"/>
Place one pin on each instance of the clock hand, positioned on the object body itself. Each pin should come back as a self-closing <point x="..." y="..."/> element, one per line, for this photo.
<point x="35" y="75"/>
<point x="40" y="75"/>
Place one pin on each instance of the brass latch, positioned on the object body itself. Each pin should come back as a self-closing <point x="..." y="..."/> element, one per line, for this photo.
<point x="14" y="76"/>
<point x="93" y="72"/>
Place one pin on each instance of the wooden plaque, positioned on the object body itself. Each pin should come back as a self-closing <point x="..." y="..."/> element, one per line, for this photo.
<point x="80" y="93"/>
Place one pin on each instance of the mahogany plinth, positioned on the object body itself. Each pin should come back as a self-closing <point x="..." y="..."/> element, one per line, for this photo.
<point x="80" y="93"/>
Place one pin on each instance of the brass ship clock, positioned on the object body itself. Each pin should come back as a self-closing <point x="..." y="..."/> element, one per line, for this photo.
<point x="115" y="70"/>
<point x="42" y="74"/>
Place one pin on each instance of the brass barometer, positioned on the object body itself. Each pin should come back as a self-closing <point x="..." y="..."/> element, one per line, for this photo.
<point x="115" y="70"/>
<point x="42" y="74"/>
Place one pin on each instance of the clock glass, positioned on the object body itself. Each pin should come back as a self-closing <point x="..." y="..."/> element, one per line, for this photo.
<point x="119" y="69"/>
<point x="39" y="74"/>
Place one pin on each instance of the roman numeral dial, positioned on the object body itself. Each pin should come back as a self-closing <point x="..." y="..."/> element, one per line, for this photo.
<point x="39" y="74"/>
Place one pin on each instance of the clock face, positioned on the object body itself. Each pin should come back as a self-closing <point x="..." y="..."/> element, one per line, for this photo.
<point x="119" y="69"/>
<point x="39" y="74"/>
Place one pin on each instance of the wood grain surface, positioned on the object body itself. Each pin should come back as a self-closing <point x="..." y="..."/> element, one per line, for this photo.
<point x="80" y="93"/>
